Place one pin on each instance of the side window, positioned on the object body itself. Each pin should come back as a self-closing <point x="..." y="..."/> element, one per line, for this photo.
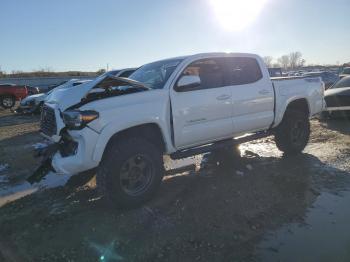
<point x="243" y="70"/>
<point x="210" y="72"/>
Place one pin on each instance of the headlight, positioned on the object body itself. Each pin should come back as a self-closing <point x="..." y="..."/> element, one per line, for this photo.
<point x="75" y="119"/>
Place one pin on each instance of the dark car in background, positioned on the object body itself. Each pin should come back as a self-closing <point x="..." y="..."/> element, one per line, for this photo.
<point x="33" y="90"/>
<point x="122" y="72"/>
<point x="50" y="87"/>
<point x="337" y="98"/>
<point x="345" y="72"/>
<point x="328" y="78"/>
<point x="275" y="72"/>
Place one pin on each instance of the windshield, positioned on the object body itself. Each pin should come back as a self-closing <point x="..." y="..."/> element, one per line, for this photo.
<point x="155" y="75"/>
<point x="344" y="82"/>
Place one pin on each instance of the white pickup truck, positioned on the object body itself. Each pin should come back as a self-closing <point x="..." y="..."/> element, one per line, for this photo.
<point x="179" y="107"/>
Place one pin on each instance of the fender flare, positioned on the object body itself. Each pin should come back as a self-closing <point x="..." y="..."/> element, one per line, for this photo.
<point x="288" y="102"/>
<point x="113" y="128"/>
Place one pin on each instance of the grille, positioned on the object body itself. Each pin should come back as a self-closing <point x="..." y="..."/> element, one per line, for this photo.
<point x="48" y="121"/>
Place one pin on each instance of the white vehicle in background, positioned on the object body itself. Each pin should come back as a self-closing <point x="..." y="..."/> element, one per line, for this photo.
<point x="34" y="103"/>
<point x="179" y="107"/>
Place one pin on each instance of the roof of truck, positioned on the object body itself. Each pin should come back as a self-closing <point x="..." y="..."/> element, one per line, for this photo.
<point x="210" y="54"/>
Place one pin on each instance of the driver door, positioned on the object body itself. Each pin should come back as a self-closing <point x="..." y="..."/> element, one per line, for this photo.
<point x="202" y="113"/>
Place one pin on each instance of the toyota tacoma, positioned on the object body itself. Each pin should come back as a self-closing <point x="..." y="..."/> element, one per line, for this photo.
<point x="179" y="107"/>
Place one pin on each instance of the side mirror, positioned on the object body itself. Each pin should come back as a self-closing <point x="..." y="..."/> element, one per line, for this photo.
<point x="187" y="83"/>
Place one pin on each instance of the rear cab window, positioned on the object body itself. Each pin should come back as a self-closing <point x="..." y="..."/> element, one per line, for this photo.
<point x="243" y="70"/>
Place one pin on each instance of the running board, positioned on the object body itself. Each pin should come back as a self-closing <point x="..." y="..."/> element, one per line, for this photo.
<point x="222" y="144"/>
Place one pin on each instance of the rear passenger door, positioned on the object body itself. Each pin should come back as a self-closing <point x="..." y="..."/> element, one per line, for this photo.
<point x="252" y="95"/>
<point x="202" y="114"/>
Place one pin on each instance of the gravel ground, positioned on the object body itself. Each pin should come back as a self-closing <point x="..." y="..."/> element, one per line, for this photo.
<point x="216" y="207"/>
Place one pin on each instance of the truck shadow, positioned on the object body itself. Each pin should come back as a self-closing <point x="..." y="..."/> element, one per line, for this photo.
<point x="206" y="208"/>
<point x="341" y="125"/>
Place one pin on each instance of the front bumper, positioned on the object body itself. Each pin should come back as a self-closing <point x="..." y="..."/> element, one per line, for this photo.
<point x="69" y="159"/>
<point x="82" y="158"/>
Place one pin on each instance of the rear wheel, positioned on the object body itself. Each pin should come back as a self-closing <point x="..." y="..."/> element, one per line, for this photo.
<point x="292" y="135"/>
<point x="7" y="101"/>
<point x="130" y="172"/>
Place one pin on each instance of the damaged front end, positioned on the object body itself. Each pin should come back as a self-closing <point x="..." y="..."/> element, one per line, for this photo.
<point x="65" y="147"/>
<point x="45" y="152"/>
<point x="66" y="122"/>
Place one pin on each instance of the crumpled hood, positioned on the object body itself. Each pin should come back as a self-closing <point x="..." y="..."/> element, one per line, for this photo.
<point x="67" y="97"/>
<point x="37" y="97"/>
<point x="70" y="96"/>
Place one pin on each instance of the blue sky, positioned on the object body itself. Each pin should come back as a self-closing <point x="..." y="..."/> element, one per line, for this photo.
<point x="88" y="34"/>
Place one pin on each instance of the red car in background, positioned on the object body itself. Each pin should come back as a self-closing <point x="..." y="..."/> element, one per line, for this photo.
<point x="10" y="93"/>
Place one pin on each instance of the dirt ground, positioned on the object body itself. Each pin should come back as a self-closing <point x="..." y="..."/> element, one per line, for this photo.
<point x="209" y="208"/>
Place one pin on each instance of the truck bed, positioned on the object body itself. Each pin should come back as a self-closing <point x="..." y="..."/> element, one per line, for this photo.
<point x="291" y="88"/>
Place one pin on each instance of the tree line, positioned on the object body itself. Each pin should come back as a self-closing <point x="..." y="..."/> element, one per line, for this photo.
<point x="291" y="61"/>
<point x="48" y="73"/>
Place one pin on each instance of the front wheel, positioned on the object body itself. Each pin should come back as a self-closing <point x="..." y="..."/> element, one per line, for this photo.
<point x="7" y="102"/>
<point x="292" y="135"/>
<point x="130" y="172"/>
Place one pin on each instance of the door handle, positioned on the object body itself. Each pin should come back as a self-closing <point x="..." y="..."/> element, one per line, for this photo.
<point x="264" y="92"/>
<point x="223" y="97"/>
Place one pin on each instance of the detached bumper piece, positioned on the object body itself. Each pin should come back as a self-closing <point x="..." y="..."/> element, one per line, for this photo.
<point x="45" y="167"/>
<point x="66" y="147"/>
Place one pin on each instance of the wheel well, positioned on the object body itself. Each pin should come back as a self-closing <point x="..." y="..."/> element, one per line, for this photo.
<point x="300" y="105"/>
<point x="8" y="95"/>
<point x="150" y="132"/>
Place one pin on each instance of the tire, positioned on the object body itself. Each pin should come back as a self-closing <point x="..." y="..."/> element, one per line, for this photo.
<point x="7" y="101"/>
<point x="293" y="134"/>
<point x="126" y="161"/>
